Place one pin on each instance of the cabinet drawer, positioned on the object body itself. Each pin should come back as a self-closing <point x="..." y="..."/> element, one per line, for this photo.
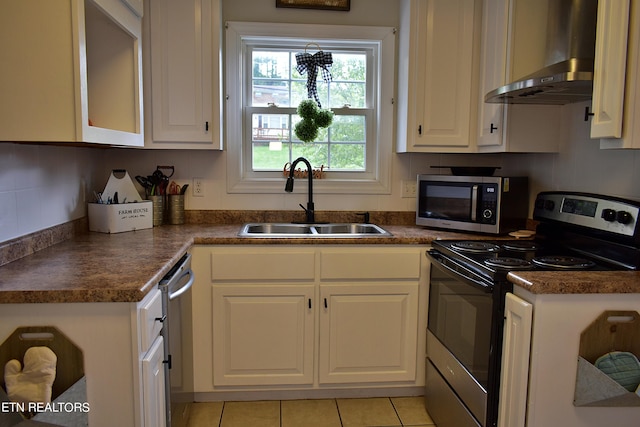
<point x="370" y="264"/>
<point x="150" y="311"/>
<point x="279" y="264"/>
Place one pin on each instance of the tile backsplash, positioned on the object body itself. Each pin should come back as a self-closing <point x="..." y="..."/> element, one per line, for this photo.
<point x="42" y="186"/>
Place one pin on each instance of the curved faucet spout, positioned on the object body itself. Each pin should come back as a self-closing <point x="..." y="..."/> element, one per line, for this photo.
<point x="309" y="210"/>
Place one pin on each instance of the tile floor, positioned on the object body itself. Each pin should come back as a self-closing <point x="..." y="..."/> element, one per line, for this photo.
<point x="382" y="411"/>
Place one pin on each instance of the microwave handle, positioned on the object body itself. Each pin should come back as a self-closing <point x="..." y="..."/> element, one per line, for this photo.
<point x="474" y="203"/>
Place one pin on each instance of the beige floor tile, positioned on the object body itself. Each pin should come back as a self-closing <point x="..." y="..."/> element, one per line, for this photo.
<point x="411" y="411"/>
<point x="367" y="412"/>
<point x="205" y="414"/>
<point x="244" y="414"/>
<point x="310" y="413"/>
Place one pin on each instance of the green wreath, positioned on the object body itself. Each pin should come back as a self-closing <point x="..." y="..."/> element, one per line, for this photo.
<point x="313" y="118"/>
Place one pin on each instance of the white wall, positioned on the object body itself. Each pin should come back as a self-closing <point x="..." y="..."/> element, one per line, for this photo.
<point x="580" y="165"/>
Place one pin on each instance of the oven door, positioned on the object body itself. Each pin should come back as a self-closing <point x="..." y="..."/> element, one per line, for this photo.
<point x="461" y="341"/>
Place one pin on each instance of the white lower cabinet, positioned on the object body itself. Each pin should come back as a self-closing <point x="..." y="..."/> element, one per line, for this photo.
<point x="263" y="334"/>
<point x="122" y="352"/>
<point x="153" y="388"/>
<point x="308" y="316"/>
<point x="515" y="362"/>
<point x="368" y="332"/>
<point x="542" y="341"/>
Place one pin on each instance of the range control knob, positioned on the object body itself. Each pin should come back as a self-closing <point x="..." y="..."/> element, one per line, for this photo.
<point x="549" y="205"/>
<point x="623" y="217"/>
<point x="609" y="215"/>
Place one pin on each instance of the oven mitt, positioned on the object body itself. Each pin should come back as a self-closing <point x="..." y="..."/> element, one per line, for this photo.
<point x="622" y="367"/>
<point x="33" y="382"/>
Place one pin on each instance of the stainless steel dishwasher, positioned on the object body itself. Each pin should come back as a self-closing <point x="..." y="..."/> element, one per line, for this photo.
<point x="178" y="340"/>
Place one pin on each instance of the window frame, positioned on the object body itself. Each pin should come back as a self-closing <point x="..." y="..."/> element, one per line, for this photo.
<point x="240" y="177"/>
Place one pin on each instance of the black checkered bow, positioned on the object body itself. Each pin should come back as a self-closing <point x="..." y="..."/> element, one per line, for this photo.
<point x="309" y="63"/>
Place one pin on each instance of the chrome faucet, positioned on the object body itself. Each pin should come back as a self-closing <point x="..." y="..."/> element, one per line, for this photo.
<point x="309" y="210"/>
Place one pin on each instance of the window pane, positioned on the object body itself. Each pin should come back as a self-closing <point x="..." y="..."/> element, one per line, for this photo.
<point x="352" y="94"/>
<point x="317" y="154"/>
<point x="269" y="156"/>
<point x="270" y="82"/>
<point x="348" y="129"/>
<point x="270" y="127"/>
<point x="348" y="157"/>
<point x="270" y="65"/>
<point x="267" y="92"/>
<point x="349" y="67"/>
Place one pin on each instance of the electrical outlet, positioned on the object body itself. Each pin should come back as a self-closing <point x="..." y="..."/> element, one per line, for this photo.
<point x="408" y="189"/>
<point x="198" y="187"/>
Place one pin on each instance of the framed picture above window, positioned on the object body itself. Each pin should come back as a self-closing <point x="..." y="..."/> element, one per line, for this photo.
<point x="315" y="4"/>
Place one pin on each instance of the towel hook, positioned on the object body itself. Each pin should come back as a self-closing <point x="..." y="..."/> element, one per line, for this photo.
<point x="312" y="43"/>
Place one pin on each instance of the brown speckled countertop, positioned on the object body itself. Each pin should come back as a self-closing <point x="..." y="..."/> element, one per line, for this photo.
<point x="577" y="282"/>
<point x="123" y="267"/>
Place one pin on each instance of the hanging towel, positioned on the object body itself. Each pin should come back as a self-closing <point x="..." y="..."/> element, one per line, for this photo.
<point x="621" y="366"/>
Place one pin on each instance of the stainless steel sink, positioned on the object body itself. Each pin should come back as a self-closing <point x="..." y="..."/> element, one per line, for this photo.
<point x="265" y="229"/>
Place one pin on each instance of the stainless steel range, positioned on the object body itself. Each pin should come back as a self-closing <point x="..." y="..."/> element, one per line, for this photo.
<point x="577" y="231"/>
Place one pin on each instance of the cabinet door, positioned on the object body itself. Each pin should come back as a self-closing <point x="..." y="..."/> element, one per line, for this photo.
<point x="368" y="332"/>
<point x="439" y="90"/>
<point x="626" y="134"/>
<point x="513" y="41"/>
<point x="610" y="68"/>
<point x="263" y="334"/>
<point x="493" y="69"/>
<point x="183" y="68"/>
<point x="515" y="362"/>
<point x="153" y="389"/>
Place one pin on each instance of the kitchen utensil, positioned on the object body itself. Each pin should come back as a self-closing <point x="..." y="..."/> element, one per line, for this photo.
<point x="174" y="188"/>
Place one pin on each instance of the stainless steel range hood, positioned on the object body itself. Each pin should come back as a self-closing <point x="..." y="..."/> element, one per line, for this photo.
<point x="568" y="73"/>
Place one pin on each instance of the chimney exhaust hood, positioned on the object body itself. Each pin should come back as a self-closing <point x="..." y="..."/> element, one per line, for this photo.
<point x="568" y="73"/>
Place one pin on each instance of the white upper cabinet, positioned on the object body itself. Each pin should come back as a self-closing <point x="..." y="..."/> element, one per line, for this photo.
<point x="71" y="72"/>
<point x="513" y="42"/>
<point x="616" y="86"/>
<point x="182" y="74"/>
<point x="437" y="81"/>
<point x="493" y="69"/>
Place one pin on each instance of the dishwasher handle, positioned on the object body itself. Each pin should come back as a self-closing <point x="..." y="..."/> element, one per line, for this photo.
<point x="185" y="287"/>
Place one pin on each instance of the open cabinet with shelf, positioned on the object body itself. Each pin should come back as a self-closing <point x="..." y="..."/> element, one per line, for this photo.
<point x="72" y="72"/>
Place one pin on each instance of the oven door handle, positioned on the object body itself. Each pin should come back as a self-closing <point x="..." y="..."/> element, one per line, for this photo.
<point x="185" y="287"/>
<point x="468" y="276"/>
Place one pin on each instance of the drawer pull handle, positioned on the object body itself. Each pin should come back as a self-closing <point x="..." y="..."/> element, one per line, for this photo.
<point x="161" y="319"/>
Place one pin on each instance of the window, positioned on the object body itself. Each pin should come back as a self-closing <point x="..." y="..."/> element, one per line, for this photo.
<point x="265" y="88"/>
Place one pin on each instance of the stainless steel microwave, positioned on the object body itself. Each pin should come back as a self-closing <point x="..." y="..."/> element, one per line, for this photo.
<point x="483" y="204"/>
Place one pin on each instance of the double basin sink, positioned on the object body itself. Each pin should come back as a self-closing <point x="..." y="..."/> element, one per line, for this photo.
<point x="312" y="230"/>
